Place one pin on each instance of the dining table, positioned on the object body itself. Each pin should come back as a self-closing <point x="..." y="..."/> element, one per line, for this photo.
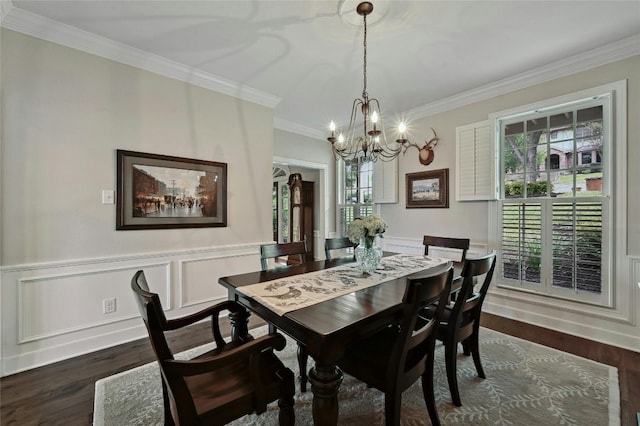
<point x="325" y="305"/>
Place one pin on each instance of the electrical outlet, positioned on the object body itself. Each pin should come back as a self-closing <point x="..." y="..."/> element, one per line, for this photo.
<point x="109" y="305"/>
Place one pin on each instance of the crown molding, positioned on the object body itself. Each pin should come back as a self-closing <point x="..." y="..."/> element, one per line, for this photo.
<point x="289" y="126"/>
<point x="25" y="22"/>
<point x="34" y="25"/>
<point x="616" y="51"/>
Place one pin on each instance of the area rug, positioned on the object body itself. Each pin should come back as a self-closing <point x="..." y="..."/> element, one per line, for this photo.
<point x="526" y="384"/>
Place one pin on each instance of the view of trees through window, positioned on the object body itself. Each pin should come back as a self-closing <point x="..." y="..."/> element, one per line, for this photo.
<point x="552" y="203"/>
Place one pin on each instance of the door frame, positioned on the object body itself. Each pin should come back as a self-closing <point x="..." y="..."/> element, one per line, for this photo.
<point x="320" y="210"/>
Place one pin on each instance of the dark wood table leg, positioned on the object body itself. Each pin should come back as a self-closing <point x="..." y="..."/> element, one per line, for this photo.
<point x="325" y="382"/>
<point x="302" y="363"/>
<point x="239" y="325"/>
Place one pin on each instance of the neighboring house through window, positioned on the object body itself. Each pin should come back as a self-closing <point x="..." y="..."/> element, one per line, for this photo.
<point x="555" y="209"/>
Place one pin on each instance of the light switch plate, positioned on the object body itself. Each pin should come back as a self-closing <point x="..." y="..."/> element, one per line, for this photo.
<point x="108" y="196"/>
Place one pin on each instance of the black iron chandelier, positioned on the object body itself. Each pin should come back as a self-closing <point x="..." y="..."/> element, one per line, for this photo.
<point x="372" y="143"/>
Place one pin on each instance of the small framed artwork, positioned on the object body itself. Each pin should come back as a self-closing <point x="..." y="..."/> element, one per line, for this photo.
<point x="428" y="189"/>
<point x="161" y="192"/>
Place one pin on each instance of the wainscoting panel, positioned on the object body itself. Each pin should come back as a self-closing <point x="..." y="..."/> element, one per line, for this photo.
<point x="55" y="311"/>
<point x="617" y="326"/>
<point x="198" y="278"/>
<point x="81" y="296"/>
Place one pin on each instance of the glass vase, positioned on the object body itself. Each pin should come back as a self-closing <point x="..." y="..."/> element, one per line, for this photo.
<point x="368" y="254"/>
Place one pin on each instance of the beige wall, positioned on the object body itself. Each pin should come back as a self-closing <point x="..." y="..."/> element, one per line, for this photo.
<point x="64" y="114"/>
<point x="618" y="325"/>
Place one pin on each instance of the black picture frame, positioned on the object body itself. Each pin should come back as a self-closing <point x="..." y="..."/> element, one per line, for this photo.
<point x="428" y="189"/>
<point x="163" y="192"/>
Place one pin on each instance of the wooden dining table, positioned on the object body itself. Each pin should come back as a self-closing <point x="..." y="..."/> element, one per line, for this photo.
<point x="325" y="328"/>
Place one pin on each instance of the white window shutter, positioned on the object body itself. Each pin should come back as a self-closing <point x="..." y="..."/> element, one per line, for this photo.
<point x="475" y="163"/>
<point x="385" y="181"/>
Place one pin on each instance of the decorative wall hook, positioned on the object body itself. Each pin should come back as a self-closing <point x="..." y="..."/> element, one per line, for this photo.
<point x="425" y="154"/>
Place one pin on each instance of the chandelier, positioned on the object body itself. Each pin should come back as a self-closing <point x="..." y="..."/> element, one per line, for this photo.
<point x="372" y="143"/>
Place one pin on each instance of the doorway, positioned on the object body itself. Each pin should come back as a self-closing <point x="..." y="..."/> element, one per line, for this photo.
<point x="310" y="171"/>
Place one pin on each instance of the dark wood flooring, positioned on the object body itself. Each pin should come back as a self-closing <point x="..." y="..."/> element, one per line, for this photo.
<point x="62" y="393"/>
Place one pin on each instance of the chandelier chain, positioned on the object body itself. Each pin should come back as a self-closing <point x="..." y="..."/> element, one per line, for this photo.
<point x="364" y="60"/>
<point x="372" y="145"/>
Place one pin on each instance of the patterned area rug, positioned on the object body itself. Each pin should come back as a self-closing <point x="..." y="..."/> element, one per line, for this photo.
<point x="527" y="384"/>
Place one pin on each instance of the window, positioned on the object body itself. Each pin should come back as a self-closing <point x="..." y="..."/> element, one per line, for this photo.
<point x="356" y="195"/>
<point x="554" y="213"/>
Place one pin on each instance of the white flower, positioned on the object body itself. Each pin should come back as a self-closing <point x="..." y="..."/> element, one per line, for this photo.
<point x="368" y="227"/>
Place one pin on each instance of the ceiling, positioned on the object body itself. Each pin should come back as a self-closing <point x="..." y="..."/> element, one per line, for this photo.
<point x="304" y="58"/>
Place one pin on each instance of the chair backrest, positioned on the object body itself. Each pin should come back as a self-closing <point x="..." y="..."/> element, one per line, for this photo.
<point x="417" y="336"/>
<point x="336" y="244"/>
<point x="272" y="251"/>
<point x="461" y="244"/>
<point x="465" y="314"/>
<point x="152" y="314"/>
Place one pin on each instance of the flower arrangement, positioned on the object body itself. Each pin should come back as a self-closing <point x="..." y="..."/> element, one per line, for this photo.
<point x="366" y="228"/>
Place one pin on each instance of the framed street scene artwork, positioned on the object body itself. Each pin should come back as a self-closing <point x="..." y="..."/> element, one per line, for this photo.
<point x="428" y="189"/>
<point x="161" y="192"/>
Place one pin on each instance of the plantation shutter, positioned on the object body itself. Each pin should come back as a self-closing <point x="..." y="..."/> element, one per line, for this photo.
<point x="521" y="241"/>
<point x="475" y="163"/>
<point x="385" y="181"/>
<point x="577" y="246"/>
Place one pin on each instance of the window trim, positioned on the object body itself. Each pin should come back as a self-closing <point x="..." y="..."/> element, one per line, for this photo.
<point x="619" y="306"/>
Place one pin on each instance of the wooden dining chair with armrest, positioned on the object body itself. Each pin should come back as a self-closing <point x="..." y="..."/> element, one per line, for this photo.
<point x="274" y="251"/>
<point x="336" y="244"/>
<point x="391" y="360"/>
<point x="461" y="322"/>
<point x="233" y="379"/>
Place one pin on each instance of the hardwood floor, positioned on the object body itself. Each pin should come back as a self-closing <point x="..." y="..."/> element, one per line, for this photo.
<point x="62" y="393"/>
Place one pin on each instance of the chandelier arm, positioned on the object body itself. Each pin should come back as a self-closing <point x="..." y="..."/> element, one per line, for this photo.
<point x="373" y="144"/>
<point x="351" y="131"/>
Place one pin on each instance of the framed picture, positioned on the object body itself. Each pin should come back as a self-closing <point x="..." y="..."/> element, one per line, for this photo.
<point x="160" y="192"/>
<point x="428" y="189"/>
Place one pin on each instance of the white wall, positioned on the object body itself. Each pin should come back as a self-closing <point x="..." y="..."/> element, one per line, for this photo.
<point x="617" y="326"/>
<point x="64" y="114"/>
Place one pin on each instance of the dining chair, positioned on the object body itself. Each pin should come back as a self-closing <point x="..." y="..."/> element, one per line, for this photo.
<point x="336" y="244"/>
<point x="233" y="379"/>
<point x="392" y="359"/>
<point x="275" y="251"/>
<point x="461" y="322"/>
<point x="461" y="246"/>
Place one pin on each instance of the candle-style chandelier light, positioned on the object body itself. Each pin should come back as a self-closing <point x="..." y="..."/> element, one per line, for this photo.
<point x="372" y="143"/>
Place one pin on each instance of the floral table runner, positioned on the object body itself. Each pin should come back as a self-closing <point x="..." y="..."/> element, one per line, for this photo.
<point x="299" y="291"/>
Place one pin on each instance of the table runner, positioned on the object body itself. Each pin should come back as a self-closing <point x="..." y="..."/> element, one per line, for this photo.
<point x="299" y="291"/>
